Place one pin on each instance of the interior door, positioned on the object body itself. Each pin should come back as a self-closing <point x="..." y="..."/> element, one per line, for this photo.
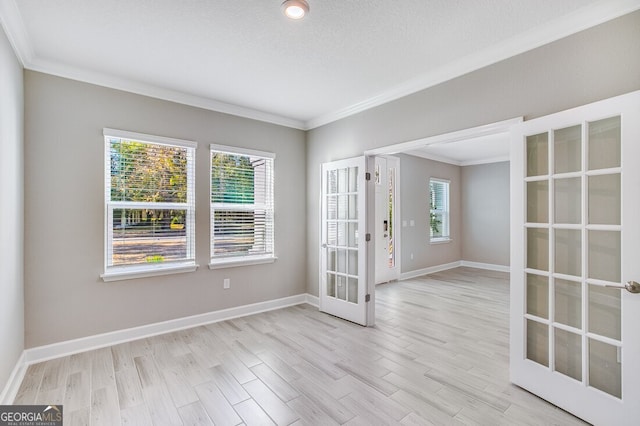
<point x="575" y="191"/>
<point x="343" y="252"/>
<point x="385" y="179"/>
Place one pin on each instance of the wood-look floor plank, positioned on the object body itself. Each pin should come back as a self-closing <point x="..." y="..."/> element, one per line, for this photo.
<point x="438" y="354"/>
<point x="228" y="385"/>
<point x="277" y="384"/>
<point x="129" y="387"/>
<point x="77" y="391"/>
<point x="104" y="407"/>
<point x="216" y="405"/>
<point x="122" y="356"/>
<point x="137" y="415"/>
<point x="270" y="403"/>
<point x="252" y="414"/>
<point x="194" y="414"/>
<point x="310" y="413"/>
<point x="161" y="407"/>
<point x="326" y="401"/>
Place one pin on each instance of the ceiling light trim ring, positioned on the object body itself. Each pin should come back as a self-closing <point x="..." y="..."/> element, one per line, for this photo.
<point x="295" y="9"/>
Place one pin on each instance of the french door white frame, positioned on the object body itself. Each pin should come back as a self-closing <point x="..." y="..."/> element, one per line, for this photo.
<point x="575" y="396"/>
<point x="391" y="273"/>
<point x="362" y="312"/>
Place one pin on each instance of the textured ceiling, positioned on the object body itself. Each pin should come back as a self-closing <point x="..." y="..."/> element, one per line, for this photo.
<point x="245" y="57"/>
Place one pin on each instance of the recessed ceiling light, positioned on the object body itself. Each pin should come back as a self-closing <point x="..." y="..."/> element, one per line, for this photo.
<point x="295" y="9"/>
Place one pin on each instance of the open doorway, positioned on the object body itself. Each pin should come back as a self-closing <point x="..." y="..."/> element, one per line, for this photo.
<point x="475" y="165"/>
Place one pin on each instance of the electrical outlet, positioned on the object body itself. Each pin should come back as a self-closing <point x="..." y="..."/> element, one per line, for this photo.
<point x="227" y="283"/>
<point x="411" y="256"/>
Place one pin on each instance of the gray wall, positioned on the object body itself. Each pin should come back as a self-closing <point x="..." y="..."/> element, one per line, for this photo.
<point x="592" y="65"/>
<point x="11" y="213"/>
<point x="485" y="213"/>
<point x="64" y="212"/>
<point x="415" y="173"/>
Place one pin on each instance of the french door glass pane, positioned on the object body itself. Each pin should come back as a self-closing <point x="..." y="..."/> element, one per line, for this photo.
<point x="568" y="195"/>
<point x="353" y="262"/>
<point x="604" y="199"/>
<point x="538" y="249"/>
<point x="604" y="255"/>
<point x="567" y="149"/>
<point x="538" y="154"/>
<point x="568" y="251"/>
<point x="538" y="295"/>
<point x="342" y="287"/>
<point x="568" y="353"/>
<point x="604" y="143"/>
<point x="538" y="201"/>
<point x="342" y="261"/>
<point x="568" y="303"/>
<point x="538" y="342"/>
<point x="353" y="290"/>
<point x="605" y="368"/>
<point x="604" y="311"/>
<point x="331" y="259"/>
<point x="353" y="234"/>
<point x="331" y="285"/>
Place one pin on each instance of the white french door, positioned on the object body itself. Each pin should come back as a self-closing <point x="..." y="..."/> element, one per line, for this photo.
<point x="343" y="251"/>
<point x="575" y="244"/>
<point x="385" y="179"/>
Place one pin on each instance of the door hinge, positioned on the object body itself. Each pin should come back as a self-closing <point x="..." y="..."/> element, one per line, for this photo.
<point x="367" y="237"/>
<point x="367" y="176"/>
<point x="367" y="298"/>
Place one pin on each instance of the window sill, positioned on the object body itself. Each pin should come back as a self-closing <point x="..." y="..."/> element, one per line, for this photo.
<point x="240" y="261"/>
<point x="440" y="241"/>
<point x="144" y="272"/>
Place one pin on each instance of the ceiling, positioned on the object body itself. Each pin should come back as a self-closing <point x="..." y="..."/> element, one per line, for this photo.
<point x="245" y="58"/>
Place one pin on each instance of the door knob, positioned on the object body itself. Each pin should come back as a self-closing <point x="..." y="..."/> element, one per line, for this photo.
<point x="630" y="286"/>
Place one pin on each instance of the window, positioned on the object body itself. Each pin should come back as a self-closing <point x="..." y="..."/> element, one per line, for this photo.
<point x="150" y="206"/>
<point x="439" y="210"/>
<point x="241" y="206"/>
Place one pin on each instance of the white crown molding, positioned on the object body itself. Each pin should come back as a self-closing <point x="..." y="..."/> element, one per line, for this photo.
<point x="581" y="19"/>
<point x="101" y="79"/>
<point x="15" y="30"/>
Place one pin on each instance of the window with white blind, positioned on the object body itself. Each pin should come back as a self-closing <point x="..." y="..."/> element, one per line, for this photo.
<point x="439" y="210"/>
<point x="242" y="206"/>
<point x="150" y="206"/>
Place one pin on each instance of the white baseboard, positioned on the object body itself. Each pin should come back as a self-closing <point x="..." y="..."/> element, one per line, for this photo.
<point x="313" y="300"/>
<point x="10" y="391"/>
<point x="69" y="347"/>
<point x="429" y="270"/>
<point x="486" y="266"/>
<point x="457" y="264"/>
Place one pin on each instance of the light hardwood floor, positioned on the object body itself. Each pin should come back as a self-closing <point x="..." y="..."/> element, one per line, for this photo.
<point x="438" y="355"/>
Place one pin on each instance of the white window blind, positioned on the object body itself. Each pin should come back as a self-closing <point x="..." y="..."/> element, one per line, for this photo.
<point x="242" y="205"/>
<point x="150" y="208"/>
<point x="438" y="209"/>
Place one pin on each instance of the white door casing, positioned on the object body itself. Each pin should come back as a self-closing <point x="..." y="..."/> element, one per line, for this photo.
<point x="575" y="235"/>
<point x="343" y="247"/>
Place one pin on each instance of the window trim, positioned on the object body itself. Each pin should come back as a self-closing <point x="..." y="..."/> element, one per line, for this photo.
<point x="221" y="262"/>
<point x="447" y="211"/>
<point x="125" y="272"/>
